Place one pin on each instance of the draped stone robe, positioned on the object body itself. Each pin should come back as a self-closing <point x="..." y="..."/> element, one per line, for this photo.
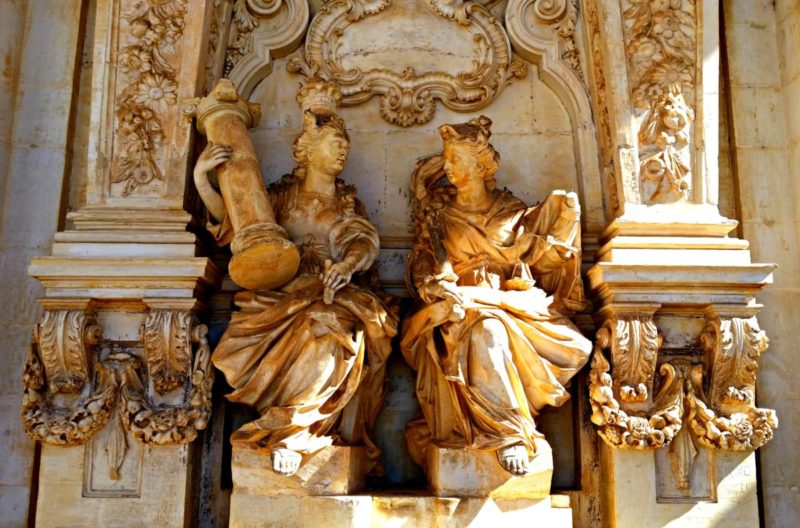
<point x="481" y="381"/>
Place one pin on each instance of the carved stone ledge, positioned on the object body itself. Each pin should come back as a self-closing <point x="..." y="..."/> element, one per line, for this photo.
<point x="408" y="97"/>
<point x="724" y="416"/>
<point x="59" y="363"/>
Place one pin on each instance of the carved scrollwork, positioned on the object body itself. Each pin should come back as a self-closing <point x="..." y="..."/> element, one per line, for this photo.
<point x="168" y="348"/>
<point x="59" y="362"/>
<point x="660" y="43"/>
<point x="728" y="419"/>
<point x="634" y="345"/>
<point x="408" y="97"/>
<point x="151" y="423"/>
<point x="260" y="30"/>
<point x="544" y="23"/>
<point x="148" y="64"/>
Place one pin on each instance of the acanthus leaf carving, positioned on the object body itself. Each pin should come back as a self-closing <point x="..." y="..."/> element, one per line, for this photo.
<point x="660" y="42"/>
<point x="409" y="97"/>
<point x="154" y="28"/>
<point x="93" y="399"/>
<point x="168" y="348"/>
<point x="654" y="426"/>
<point x="151" y="423"/>
<point x="728" y="418"/>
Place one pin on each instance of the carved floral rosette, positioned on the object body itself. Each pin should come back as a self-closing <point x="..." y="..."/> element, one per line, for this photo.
<point x="118" y="392"/>
<point x="626" y="414"/>
<point x="725" y="415"/>
<point x="660" y="43"/>
<point x="408" y="97"/>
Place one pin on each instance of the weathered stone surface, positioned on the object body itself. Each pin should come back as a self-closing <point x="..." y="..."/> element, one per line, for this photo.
<point x="335" y="470"/>
<point x="471" y="473"/>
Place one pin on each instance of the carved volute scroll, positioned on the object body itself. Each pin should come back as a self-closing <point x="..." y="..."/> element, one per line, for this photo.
<point x="536" y="25"/>
<point x="168" y="348"/>
<point x="153" y="423"/>
<point x="262" y="30"/>
<point x="117" y="391"/>
<point x="60" y="361"/>
<point x="725" y="415"/>
<point x="408" y="96"/>
<point x="660" y="43"/>
<point x="623" y="408"/>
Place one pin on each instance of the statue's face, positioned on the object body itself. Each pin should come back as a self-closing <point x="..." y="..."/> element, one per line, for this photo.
<point x="460" y="164"/>
<point x="330" y="154"/>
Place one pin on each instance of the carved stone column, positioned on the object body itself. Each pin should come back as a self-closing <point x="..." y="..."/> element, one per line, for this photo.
<point x="118" y="381"/>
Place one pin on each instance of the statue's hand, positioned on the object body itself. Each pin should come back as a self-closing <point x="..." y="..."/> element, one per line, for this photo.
<point x="211" y="157"/>
<point x="439" y="288"/>
<point x="336" y="277"/>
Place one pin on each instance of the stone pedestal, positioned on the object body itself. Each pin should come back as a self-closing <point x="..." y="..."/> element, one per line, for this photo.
<point x="470" y="473"/>
<point x="335" y="470"/>
<point x="634" y="496"/>
<point x="379" y="511"/>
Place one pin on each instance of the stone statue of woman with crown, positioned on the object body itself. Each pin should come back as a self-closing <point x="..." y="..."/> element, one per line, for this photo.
<point x="309" y="356"/>
<point x="491" y="339"/>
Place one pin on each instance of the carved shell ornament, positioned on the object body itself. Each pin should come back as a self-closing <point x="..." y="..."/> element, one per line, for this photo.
<point x="470" y="32"/>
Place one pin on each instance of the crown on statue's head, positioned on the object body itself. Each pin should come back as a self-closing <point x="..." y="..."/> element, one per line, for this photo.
<point x="318" y="96"/>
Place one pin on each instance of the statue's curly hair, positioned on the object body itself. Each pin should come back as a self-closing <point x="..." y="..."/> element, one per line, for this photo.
<point x="475" y="135"/>
<point x="313" y="126"/>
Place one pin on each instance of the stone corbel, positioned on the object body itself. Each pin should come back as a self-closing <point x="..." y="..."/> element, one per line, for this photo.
<point x="169" y="337"/>
<point x="624" y="408"/>
<point x="724" y="414"/>
<point x="68" y="396"/>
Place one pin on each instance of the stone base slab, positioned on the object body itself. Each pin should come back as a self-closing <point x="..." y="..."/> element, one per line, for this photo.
<point x="396" y="510"/>
<point x="335" y="470"/>
<point x="471" y="473"/>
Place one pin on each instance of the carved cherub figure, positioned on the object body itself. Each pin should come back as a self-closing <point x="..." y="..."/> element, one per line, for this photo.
<point x="491" y="340"/>
<point x="309" y="357"/>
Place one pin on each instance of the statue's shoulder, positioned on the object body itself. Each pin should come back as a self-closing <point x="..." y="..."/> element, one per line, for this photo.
<point x="347" y="199"/>
<point x="280" y="190"/>
<point x="506" y="201"/>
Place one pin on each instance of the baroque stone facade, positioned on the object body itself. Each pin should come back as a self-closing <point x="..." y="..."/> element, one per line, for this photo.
<point x="670" y="125"/>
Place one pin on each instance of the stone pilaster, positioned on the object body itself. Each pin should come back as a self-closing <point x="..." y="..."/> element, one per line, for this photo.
<point x="128" y="268"/>
<point x="673" y="374"/>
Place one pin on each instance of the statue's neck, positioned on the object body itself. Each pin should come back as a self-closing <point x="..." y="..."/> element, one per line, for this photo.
<point x="319" y="182"/>
<point x="472" y="196"/>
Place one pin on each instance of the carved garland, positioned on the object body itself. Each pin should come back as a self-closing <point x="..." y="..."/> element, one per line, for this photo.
<point x="408" y="98"/>
<point x="660" y="42"/>
<point x="58" y="363"/>
<point x="634" y="346"/>
<point x="60" y="356"/>
<point x="733" y="347"/>
<point x="155" y="26"/>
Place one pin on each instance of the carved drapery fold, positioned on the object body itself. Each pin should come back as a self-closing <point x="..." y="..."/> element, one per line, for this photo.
<point x="623" y="408"/>
<point x="725" y="415"/>
<point x="408" y="97"/>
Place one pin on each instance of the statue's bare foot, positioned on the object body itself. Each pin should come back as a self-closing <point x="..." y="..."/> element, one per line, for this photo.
<point x="285" y="461"/>
<point x="514" y="459"/>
